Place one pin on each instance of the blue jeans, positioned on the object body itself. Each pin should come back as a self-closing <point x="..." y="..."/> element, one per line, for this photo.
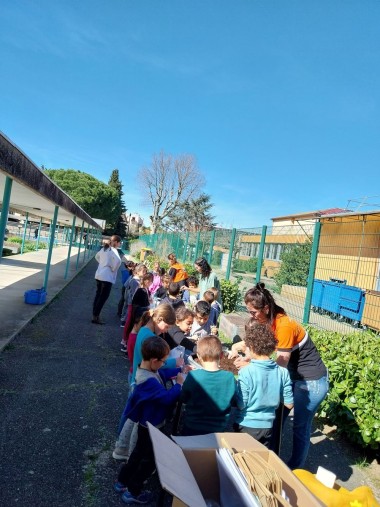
<point x="308" y="395"/>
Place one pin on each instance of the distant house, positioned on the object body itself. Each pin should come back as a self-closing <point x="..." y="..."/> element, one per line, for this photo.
<point x="349" y="249"/>
<point x="134" y="222"/>
<point x="285" y="231"/>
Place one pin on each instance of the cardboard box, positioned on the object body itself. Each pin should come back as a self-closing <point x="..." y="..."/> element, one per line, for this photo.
<point x="189" y="470"/>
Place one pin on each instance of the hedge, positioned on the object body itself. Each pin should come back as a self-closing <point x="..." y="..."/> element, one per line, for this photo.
<point x="353" y="402"/>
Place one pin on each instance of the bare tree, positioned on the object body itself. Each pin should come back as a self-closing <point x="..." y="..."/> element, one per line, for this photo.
<point x="167" y="182"/>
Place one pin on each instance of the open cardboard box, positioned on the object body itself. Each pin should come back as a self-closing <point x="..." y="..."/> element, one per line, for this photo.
<point x="189" y="470"/>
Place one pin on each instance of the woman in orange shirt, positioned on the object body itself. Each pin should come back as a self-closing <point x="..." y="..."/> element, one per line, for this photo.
<point x="297" y="352"/>
<point x="176" y="271"/>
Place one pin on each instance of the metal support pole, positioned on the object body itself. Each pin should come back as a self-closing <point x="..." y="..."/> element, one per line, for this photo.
<point x="310" y="279"/>
<point x="80" y="243"/>
<point x="70" y="245"/>
<point x="5" y="211"/>
<point x="230" y="254"/>
<point x="38" y="234"/>
<point x="261" y="253"/>
<point x="197" y="246"/>
<point x="24" y="233"/>
<point x="51" y="244"/>
<point x="212" y="241"/>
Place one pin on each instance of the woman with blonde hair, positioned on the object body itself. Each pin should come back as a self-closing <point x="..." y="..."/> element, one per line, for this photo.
<point x="105" y="276"/>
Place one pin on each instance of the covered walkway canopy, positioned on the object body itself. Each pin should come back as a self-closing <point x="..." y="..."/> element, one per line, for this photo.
<point x="25" y="188"/>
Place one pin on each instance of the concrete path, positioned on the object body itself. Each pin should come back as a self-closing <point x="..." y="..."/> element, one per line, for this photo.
<point x="20" y="273"/>
<point x="63" y="385"/>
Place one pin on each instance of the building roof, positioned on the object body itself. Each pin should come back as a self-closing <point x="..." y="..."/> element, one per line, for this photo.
<point x="311" y="215"/>
<point x="32" y="191"/>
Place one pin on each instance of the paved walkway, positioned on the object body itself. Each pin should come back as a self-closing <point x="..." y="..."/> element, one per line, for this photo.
<point x="62" y="389"/>
<point x="20" y="273"/>
<point x="63" y="385"/>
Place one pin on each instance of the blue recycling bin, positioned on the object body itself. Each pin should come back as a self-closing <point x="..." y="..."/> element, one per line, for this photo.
<point x="351" y="302"/>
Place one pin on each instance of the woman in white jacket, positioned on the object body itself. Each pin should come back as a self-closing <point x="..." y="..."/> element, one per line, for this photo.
<point x="105" y="276"/>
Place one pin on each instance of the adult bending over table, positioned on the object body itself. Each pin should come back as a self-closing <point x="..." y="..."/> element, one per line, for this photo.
<point x="297" y="352"/>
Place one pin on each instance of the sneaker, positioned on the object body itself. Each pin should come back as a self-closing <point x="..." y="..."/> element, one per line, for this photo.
<point x="122" y="324"/>
<point x="143" y="497"/>
<point x="120" y="453"/>
<point x="119" y="487"/>
<point x="124" y="349"/>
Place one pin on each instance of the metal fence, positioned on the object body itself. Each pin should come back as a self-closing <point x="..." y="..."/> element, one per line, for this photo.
<point x="324" y="273"/>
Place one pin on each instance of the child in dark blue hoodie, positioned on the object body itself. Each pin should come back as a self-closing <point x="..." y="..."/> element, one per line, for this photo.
<point x="149" y="402"/>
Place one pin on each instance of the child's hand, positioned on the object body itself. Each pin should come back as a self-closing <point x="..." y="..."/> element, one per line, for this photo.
<point x="180" y="378"/>
<point x="186" y="368"/>
<point x="179" y="362"/>
<point x="241" y="362"/>
<point x="235" y="349"/>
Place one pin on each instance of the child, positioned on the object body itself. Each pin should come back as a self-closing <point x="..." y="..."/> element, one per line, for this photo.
<point x="154" y="322"/>
<point x="215" y="304"/>
<point x="131" y="286"/>
<point x="209" y="392"/>
<point x="179" y="334"/>
<point x="126" y="273"/>
<point x="173" y="297"/>
<point x="201" y="326"/>
<point x="162" y="291"/>
<point x="149" y="402"/>
<point x="142" y="297"/>
<point x="157" y="274"/>
<point x="127" y="437"/>
<point x="210" y="298"/>
<point x="261" y="385"/>
<point x="188" y="296"/>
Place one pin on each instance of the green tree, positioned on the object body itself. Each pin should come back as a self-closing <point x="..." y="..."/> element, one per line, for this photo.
<point x="192" y="215"/>
<point x="95" y="197"/>
<point x="119" y="227"/>
<point x="295" y="262"/>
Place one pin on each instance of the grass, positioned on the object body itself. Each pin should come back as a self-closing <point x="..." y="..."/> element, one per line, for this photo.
<point x="362" y="463"/>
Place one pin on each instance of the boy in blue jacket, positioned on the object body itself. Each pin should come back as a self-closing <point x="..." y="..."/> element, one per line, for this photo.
<point x="262" y="385"/>
<point x="149" y="402"/>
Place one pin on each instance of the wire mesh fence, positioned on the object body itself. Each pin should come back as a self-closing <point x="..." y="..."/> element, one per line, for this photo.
<point x="325" y="273"/>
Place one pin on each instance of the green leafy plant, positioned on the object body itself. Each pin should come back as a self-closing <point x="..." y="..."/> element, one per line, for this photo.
<point x="245" y="265"/>
<point x="190" y="269"/>
<point x="230" y="294"/>
<point x="216" y="258"/>
<point x="29" y="246"/>
<point x="295" y="263"/>
<point x="353" y="402"/>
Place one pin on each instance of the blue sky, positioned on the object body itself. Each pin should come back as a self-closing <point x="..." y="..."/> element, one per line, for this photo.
<point x="279" y="100"/>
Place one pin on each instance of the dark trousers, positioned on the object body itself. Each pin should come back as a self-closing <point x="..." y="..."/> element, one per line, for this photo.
<point x="103" y="290"/>
<point x="121" y="302"/>
<point x="262" y="435"/>
<point x="140" y="465"/>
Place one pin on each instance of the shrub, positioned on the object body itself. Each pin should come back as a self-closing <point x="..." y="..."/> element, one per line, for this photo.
<point x="353" y="402"/>
<point x="230" y="294"/>
<point x="245" y="265"/>
<point x="7" y="252"/>
<point x="136" y="246"/>
<point x="190" y="269"/>
<point x="29" y="246"/>
<point x="216" y="258"/>
<point x="295" y="264"/>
